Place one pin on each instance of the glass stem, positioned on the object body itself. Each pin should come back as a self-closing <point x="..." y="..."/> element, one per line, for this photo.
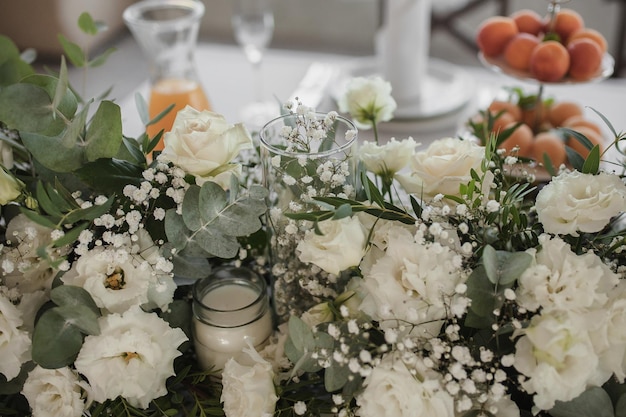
<point x="258" y="75"/>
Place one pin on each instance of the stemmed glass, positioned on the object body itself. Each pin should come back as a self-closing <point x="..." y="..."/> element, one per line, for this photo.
<point x="253" y="27"/>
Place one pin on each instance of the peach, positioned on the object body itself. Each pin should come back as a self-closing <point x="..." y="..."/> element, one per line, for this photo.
<point x="551" y="144"/>
<point x="518" y="51"/>
<point x="588" y="33"/>
<point x="563" y="110"/>
<point x="513" y="109"/>
<point x="521" y="138"/>
<point x="535" y="116"/>
<point x="566" y="22"/>
<point x="494" y="34"/>
<point x="527" y="21"/>
<point x="502" y="121"/>
<point x="549" y="61"/>
<point x="577" y="121"/>
<point x="585" y="59"/>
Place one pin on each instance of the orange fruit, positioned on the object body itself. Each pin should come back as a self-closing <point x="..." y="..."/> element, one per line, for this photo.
<point x="549" y="61"/>
<point x="566" y="22"/>
<point x="500" y="123"/>
<point x="563" y="110"/>
<point x="585" y="59"/>
<point x="594" y="137"/>
<point x="535" y="116"/>
<point x="521" y="138"/>
<point x="494" y="33"/>
<point x="518" y="51"/>
<point x="552" y="145"/>
<point x="588" y="33"/>
<point x="498" y="106"/>
<point x="577" y="121"/>
<point x="527" y="21"/>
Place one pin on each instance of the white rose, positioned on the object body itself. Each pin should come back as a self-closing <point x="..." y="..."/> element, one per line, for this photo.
<point x="609" y="333"/>
<point x="274" y="352"/>
<point x="340" y="246"/>
<point x="389" y="158"/>
<point x="15" y="343"/>
<point x="30" y="272"/>
<point x="575" y="202"/>
<point x="391" y="390"/>
<point x="248" y="388"/>
<point x="10" y="187"/>
<point x="561" y="279"/>
<point x="442" y="167"/>
<point x="413" y="282"/>
<point x="132" y="357"/>
<point x="115" y="278"/>
<point x="368" y="100"/>
<point x="203" y="144"/>
<point x="55" y="392"/>
<point x="557" y="356"/>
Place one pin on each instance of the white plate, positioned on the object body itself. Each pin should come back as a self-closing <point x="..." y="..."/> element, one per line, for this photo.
<point x="498" y="64"/>
<point x="446" y="89"/>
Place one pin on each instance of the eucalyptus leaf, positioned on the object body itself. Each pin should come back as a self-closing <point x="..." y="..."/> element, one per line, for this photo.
<point x="301" y="360"/>
<point x="13" y="67"/>
<point x="62" y="85"/>
<point x="56" y="342"/>
<point x="191" y="208"/>
<point x="504" y="268"/>
<point x="335" y="377"/>
<point x="301" y="335"/>
<point x="595" y="402"/>
<point x="102" y="58"/>
<point x="38" y="218"/>
<point x="87" y="24"/>
<point x="73" y="52"/>
<point x="71" y="295"/>
<point x="482" y="293"/>
<point x="80" y="316"/>
<point x="104" y="135"/>
<point x="217" y="244"/>
<point x="25" y="107"/>
<point x="176" y="230"/>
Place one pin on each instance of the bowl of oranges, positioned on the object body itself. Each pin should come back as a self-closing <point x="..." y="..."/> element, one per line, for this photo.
<point x="544" y="132"/>
<point x="555" y="48"/>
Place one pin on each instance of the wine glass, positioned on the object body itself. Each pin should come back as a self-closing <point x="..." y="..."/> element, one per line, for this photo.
<point x="253" y="27"/>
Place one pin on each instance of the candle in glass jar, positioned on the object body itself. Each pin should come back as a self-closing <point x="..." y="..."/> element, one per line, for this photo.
<point x="231" y="307"/>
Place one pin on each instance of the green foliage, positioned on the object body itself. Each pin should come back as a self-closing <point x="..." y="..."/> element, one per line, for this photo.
<point x="212" y="220"/>
<point x="59" y="332"/>
<point x="595" y="402"/>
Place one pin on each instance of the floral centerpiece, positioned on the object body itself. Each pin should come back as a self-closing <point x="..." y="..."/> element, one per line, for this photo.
<point x="97" y="242"/>
<point x="474" y="291"/>
<point x="477" y="292"/>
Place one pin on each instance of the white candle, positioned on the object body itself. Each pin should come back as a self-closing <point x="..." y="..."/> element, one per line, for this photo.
<point x="225" y="316"/>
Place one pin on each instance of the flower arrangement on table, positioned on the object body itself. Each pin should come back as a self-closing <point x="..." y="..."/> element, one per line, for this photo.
<point x="470" y="290"/>
<point x="92" y="320"/>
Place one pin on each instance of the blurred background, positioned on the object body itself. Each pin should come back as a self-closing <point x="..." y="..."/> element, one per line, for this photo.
<point x="343" y="26"/>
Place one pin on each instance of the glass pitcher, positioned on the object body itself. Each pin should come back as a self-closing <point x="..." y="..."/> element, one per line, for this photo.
<point x="167" y="31"/>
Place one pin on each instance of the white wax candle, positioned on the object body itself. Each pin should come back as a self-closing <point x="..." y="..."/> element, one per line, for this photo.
<point x="215" y="345"/>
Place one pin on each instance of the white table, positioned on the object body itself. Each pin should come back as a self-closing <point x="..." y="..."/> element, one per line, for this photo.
<point x="229" y="82"/>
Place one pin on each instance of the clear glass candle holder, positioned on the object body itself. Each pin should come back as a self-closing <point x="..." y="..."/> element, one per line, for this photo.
<point x="230" y="312"/>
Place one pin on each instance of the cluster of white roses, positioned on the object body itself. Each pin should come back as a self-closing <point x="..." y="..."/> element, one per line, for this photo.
<point x="124" y="271"/>
<point x="399" y="328"/>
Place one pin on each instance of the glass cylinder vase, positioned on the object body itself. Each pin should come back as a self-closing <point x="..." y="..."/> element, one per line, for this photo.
<point x="167" y="32"/>
<point x="230" y="310"/>
<point x="304" y="156"/>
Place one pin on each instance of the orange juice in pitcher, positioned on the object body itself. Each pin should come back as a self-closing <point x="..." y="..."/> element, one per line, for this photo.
<point x="167" y="31"/>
